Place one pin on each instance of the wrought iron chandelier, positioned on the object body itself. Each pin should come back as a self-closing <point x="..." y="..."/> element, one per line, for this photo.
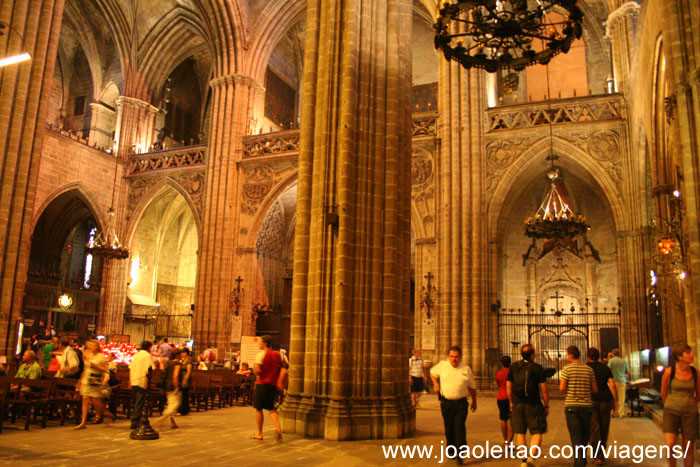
<point x="499" y="34"/>
<point x="554" y="218"/>
<point x="106" y="243"/>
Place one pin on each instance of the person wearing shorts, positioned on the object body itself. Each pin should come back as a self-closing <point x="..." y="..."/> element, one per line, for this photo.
<point x="268" y="368"/>
<point x="503" y="402"/>
<point x="680" y="390"/>
<point x="417" y="376"/>
<point x="529" y="409"/>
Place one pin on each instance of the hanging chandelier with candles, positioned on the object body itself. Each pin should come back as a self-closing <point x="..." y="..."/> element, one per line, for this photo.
<point x="555" y="219"/>
<point x="106" y="243"/>
<point x="499" y="34"/>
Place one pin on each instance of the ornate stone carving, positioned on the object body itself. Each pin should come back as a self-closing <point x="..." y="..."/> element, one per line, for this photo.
<point x="605" y="147"/>
<point x="582" y="109"/>
<point x="501" y="154"/>
<point x="193" y="183"/>
<point x="270" y="238"/>
<point x="279" y="142"/>
<point x="137" y="189"/>
<point x="421" y="168"/>
<point x="190" y="156"/>
<point x="424" y="125"/>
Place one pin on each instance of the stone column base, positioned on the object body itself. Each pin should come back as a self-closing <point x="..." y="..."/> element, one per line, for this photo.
<point x="343" y="419"/>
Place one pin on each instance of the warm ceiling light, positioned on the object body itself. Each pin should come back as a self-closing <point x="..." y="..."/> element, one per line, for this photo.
<point x="15" y="59"/>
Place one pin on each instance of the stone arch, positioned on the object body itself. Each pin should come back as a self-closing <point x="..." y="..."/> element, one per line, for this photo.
<point x="181" y="26"/>
<point x="260" y="215"/>
<point x="109" y="94"/>
<point x="152" y="195"/>
<point x="88" y="43"/>
<point x="83" y="193"/>
<point x="532" y="163"/>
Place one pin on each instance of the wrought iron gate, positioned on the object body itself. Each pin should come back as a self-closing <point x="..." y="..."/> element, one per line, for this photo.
<point x="552" y="333"/>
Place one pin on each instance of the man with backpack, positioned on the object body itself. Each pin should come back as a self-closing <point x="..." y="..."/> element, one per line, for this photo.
<point x="527" y="391"/>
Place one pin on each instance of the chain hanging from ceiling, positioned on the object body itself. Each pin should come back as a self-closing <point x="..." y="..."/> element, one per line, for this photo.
<point x="499" y="34"/>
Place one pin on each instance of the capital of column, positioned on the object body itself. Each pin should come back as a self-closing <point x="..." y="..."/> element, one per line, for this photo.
<point x="627" y="9"/>
<point x="100" y="107"/>
<point x="126" y="101"/>
<point x="236" y="80"/>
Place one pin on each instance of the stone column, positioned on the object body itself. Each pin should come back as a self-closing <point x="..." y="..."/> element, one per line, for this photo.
<point x="633" y="265"/>
<point x="102" y="125"/>
<point x="621" y="27"/>
<point x="462" y="235"/>
<point x="25" y="92"/>
<point x="351" y="295"/>
<point x="232" y="100"/>
<point x="135" y="120"/>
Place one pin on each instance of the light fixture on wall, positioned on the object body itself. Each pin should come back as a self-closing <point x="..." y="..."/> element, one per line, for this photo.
<point x="15" y="58"/>
<point x="65" y="301"/>
<point x="499" y="34"/>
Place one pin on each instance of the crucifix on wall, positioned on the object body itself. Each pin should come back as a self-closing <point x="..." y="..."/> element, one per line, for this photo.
<point x="237" y="297"/>
<point x="428" y="295"/>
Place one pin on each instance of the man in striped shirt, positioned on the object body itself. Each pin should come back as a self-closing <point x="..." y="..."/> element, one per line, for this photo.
<point x="578" y="382"/>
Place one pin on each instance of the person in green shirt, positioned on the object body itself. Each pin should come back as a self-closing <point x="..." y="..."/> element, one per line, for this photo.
<point x="30" y="369"/>
<point x="48" y="348"/>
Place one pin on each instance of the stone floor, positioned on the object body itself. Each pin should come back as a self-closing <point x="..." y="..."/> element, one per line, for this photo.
<point x="221" y="437"/>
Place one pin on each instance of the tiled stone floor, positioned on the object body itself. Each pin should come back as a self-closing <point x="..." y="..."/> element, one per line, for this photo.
<point x="221" y="437"/>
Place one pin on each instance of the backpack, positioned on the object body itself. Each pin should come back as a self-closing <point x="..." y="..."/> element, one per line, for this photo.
<point x="113" y="381"/>
<point x="81" y="363"/>
<point x="673" y="375"/>
<point x="524" y="381"/>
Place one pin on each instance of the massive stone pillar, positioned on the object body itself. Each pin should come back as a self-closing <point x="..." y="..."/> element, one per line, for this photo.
<point x="684" y="48"/>
<point x="351" y="295"/>
<point x="233" y="98"/>
<point x="621" y="27"/>
<point x="463" y="310"/>
<point x="25" y="91"/>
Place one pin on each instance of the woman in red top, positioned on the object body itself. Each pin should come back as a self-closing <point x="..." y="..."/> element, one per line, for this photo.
<point x="502" y="401"/>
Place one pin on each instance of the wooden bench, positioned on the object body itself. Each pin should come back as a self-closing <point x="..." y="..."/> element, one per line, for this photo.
<point x="32" y="395"/>
<point x="64" y="399"/>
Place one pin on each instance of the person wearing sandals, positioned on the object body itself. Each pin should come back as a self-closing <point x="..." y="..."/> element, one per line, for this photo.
<point x="271" y="372"/>
<point x="680" y="391"/>
<point x="91" y="382"/>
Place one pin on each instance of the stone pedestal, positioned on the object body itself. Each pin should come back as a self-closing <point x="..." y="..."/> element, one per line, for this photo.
<point x="351" y="292"/>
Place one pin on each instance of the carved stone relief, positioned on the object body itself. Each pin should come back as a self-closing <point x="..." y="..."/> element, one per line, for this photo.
<point x="501" y="154"/>
<point x="192" y="183"/>
<point x="421" y="169"/>
<point x="270" y="238"/>
<point x="605" y="147"/>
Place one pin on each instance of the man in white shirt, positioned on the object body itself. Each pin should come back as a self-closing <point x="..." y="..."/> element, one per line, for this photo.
<point x="68" y="361"/>
<point x="453" y="381"/>
<point x="138" y="375"/>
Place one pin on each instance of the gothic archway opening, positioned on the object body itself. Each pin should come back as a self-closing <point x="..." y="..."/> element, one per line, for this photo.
<point x="59" y="264"/>
<point x="558" y="292"/>
<point x="182" y="102"/>
<point x="162" y="270"/>
<point x="274" y="254"/>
